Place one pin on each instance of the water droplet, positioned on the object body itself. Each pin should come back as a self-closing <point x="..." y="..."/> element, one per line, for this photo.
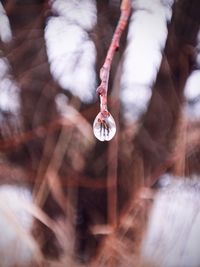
<point x="104" y="126"/>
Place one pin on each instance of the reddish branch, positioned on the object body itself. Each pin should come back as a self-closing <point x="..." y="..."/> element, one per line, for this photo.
<point x="105" y="70"/>
<point x="40" y="132"/>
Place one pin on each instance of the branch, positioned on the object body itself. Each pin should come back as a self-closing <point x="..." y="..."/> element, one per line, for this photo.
<point x="105" y="70"/>
<point x="104" y="126"/>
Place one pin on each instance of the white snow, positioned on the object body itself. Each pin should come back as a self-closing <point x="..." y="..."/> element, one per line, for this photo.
<point x="71" y="53"/>
<point x="16" y="249"/>
<point x="192" y="95"/>
<point x="5" y="30"/>
<point x="146" y="38"/>
<point x="173" y="232"/>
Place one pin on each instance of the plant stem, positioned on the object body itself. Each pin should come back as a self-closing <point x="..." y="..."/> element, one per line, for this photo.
<point x="105" y="70"/>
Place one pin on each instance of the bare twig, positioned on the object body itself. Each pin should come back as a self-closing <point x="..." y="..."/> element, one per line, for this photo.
<point x="105" y="70"/>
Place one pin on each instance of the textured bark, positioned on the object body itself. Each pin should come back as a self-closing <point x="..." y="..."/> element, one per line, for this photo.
<point x="155" y="140"/>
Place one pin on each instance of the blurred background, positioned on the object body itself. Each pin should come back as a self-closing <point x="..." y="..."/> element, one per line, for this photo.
<point x="67" y="198"/>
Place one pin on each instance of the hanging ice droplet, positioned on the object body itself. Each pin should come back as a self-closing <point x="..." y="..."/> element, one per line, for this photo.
<point x="104" y="126"/>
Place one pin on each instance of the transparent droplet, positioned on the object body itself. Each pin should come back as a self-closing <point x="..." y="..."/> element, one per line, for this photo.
<point x="104" y="126"/>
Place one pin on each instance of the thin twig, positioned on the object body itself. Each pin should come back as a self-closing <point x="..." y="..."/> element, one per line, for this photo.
<point x="105" y="70"/>
<point x="71" y="120"/>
